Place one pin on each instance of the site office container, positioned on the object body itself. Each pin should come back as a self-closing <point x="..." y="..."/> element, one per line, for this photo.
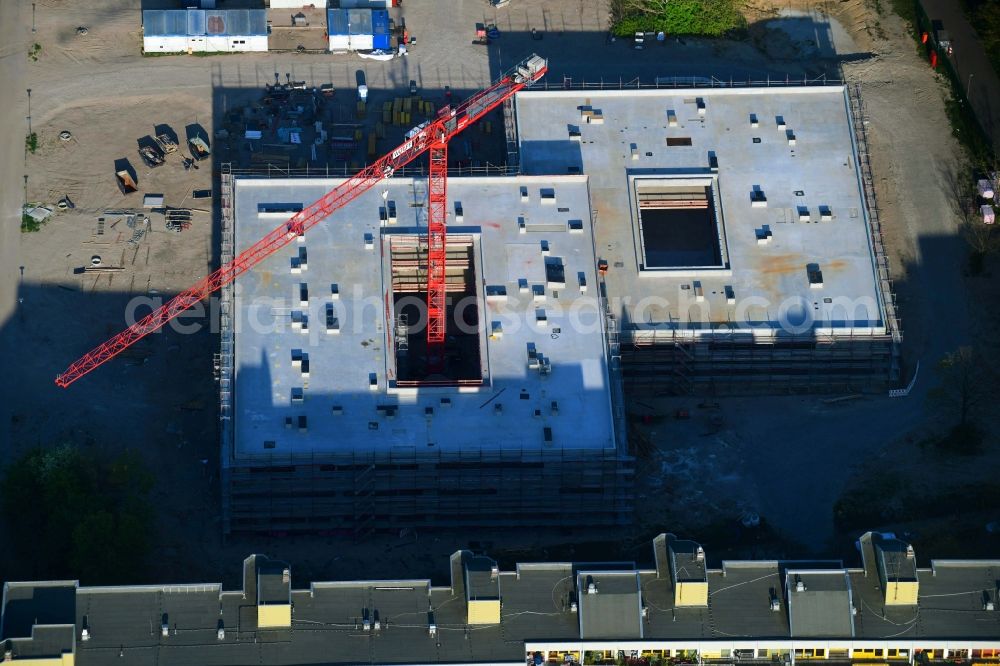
<point x="359" y="23"/>
<point x="381" y="37"/>
<point x="337" y="29"/>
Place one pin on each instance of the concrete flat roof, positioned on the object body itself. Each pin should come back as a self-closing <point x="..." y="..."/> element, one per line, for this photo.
<point x="537" y="613"/>
<point x="514" y="231"/>
<point x="801" y="155"/>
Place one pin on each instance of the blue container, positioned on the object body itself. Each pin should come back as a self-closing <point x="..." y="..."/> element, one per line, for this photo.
<point x="380" y="30"/>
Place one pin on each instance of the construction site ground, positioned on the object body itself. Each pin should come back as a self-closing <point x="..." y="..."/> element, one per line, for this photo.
<point x="785" y="459"/>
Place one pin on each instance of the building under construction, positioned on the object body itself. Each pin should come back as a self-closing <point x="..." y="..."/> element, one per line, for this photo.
<point x="668" y="241"/>
<point x="335" y="420"/>
<point x="738" y="229"/>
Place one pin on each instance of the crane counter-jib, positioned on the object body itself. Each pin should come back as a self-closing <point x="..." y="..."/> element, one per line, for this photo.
<point x="449" y="122"/>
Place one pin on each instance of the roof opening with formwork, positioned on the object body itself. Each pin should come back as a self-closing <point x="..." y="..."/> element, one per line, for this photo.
<point x="463" y="344"/>
<point x="679" y="225"/>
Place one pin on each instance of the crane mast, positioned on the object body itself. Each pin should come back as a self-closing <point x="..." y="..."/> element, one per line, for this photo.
<point x="437" y="213"/>
<point x="433" y="137"/>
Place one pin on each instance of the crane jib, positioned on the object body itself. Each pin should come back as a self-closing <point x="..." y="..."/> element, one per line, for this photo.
<point x="436" y="134"/>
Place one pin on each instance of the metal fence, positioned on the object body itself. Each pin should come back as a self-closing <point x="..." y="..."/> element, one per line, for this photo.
<point x="346" y="171"/>
<point x="667" y="83"/>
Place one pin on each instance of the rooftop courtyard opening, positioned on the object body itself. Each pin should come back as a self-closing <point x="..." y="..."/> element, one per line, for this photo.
<point x="678" y="224"/>
<point x="463" y="354"/>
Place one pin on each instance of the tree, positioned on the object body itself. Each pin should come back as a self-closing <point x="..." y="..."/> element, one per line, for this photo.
<point x="981" y="238"/>
<point x="960" y="396"/>
<point x="72" y="516"/>
<point x="711" y="18"/>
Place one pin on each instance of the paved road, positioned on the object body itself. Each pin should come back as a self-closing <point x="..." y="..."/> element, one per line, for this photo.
<point x="982" y="86"/>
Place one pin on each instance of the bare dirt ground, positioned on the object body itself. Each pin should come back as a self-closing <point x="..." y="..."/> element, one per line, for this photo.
<point x="786" y="459"/>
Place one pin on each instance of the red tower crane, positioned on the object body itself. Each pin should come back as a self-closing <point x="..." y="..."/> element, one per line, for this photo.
<point x="433" y="136"/>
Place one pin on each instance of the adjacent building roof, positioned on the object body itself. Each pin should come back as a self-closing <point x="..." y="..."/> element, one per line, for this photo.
<point x="610" y="605"/>
<point x="819" y="603"/>
<point x="207" y="22"/>
<point x="543" y="606"/>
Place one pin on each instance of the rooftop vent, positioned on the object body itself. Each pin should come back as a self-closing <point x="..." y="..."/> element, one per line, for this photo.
<point x="699" y="554"/>
<point x="332" y="323"/>
<point x="780" y="122"/>
<point x="775" y="604"/>
<point x="591" y="588"/>
<point x="753" y="120"/>
<point x="764" y="235"/>
<point x="800" y="586"/>
<point x="815" y="276"/>
<point x="432" y="630"/>
<point x="757" y="198"/>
